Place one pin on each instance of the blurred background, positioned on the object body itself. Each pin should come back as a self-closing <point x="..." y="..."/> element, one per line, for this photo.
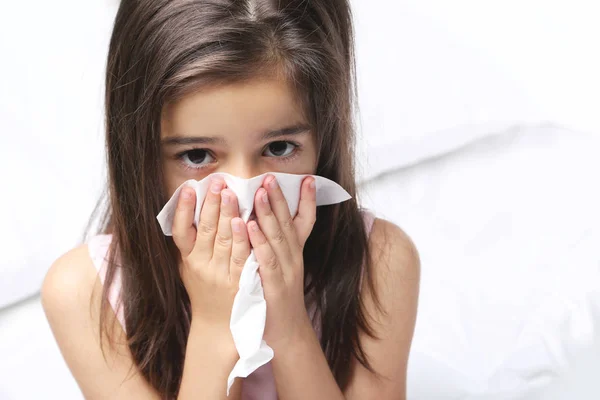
<point x="479" y="135"/>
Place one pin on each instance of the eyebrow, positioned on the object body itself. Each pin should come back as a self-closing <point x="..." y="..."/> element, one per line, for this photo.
<point x="183" y="140"/>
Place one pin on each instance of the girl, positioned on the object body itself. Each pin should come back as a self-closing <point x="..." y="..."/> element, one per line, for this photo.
<point x="245" y="87"/>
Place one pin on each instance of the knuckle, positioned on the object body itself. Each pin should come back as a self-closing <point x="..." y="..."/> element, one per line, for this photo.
<point x="222" y="240"/>
<point x="226" y="210"/>
<point x="195" y="269"/>
<point x="179" y="239"/>
<point x="185" y="260"/>
<point x="279" y="237"/>
<point x="268" y="211"/>
<point x="239" y="240"/>
<point x="288" y="224"/>
<point x="298" y="246"/>
<point x="281" y="200"/>
<point x="238" y="260"/>
<point x="192" y="265"/>
<point x="179" y="210"/>
<point x="176" y="233"/>
<point x="271" y="262"/>
<point x="206" y="228"/>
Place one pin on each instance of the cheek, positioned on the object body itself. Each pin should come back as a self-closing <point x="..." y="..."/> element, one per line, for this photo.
<point x="305" y="163"/>
<point x="311" y="158"/>
<point x="171" y="179"/>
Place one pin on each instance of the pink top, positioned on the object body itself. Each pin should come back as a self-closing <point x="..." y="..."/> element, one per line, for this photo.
<point x="260" y="385"/>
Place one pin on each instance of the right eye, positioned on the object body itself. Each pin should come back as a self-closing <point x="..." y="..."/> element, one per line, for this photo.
<point x="196" y="158"/>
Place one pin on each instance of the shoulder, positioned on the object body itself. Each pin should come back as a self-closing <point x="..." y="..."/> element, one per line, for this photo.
<point x="393" y="253"/>
<point x="395" y="275"/>
<point x="76" y="278"/>
<point x="69" y="283"/>
<point x="390" y="299"/>
<point x="70" y="309"/>
<point x="71" y="298"/>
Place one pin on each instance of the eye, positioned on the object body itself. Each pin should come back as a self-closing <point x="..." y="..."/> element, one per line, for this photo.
<point x="280" y="149"/>
<point x="196" y="158"/>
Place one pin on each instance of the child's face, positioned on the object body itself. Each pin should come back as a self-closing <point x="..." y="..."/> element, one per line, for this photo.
<point x="243" y="129"/>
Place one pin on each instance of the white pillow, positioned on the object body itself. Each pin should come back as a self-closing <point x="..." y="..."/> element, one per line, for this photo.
<point x="423" y="89"/>
<point x="507" y="229"/>
<point x="434" y="71"/>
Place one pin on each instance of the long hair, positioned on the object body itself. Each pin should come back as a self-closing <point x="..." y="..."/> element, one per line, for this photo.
<point x="161" y="50"/>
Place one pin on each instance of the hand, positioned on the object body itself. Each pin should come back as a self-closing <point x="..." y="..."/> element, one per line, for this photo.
<point x="278" y="242"/>
<point x="212" y="256"/>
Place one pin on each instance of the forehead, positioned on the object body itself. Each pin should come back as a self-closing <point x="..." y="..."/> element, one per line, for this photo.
<point x="224" y="110"/>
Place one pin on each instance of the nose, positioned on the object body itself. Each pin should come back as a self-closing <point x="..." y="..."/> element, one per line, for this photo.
<point x="242" y="168"/>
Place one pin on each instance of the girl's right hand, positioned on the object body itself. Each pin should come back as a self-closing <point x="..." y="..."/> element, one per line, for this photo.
<point x="212" y="256"/>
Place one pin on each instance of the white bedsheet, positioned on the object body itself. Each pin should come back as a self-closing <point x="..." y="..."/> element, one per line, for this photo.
<point x="508" y="230"/>
<point x="31" y="366"/>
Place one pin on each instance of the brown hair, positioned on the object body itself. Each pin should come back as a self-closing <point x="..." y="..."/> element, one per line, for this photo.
<point x="159" y="51"/>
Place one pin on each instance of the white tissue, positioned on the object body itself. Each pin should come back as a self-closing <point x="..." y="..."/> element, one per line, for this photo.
<point x="249" y="311"/>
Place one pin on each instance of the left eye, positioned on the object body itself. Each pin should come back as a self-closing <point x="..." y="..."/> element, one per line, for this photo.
<point x="280" y="149"/>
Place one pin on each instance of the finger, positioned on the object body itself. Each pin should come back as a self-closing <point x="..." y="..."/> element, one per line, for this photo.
<point x="270" y="227"/>
<point x="184" y="232"/>
<point x="280" y="208"/>
<point x="209" y="217"/>
<point x="223" y="238"/>
<point x="307" y="210"/>
<point x="269" y="267"/>
<point x="240" y="249"/>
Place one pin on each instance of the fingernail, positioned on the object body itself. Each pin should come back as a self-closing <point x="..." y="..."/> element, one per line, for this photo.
<point x="273" y="183"/>
<point x="265" y="198"/>
<point x="254" y="226"/>
<point x="225" y="198"/>
<point x="186" y="194"/>
<point x="235" y="225"/>
<point x="216" y="187"/>
<point x="313" y="184"/>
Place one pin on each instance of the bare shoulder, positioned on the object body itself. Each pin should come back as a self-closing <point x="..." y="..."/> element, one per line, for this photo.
<point x="391" y="308"/>
<point x="393" y="252"/>
<point x="396" y="276"/>
<point x="71" y="298"/>
<point x="68" y="284"/>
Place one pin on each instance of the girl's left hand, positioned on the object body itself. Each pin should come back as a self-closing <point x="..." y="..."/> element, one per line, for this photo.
<point x="278" y="241"/>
